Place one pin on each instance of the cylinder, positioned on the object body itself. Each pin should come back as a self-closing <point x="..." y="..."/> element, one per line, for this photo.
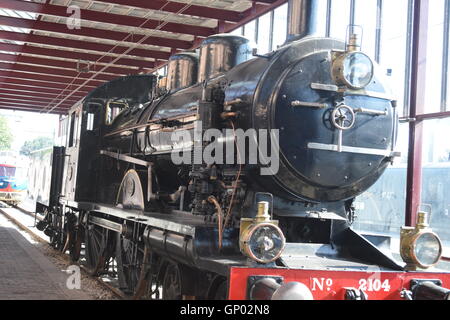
<point x="182" y="71"/>
<point x="172" y="245"/>
<point x="303" y="18"/>
<point x="430" y="291"/>
<point x="220" y="53"/>
<point x="264" y="289"/>
<point x="269" y="289"/>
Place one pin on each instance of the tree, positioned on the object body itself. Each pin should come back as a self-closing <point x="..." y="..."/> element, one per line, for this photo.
<point x="6" y="136"/>
<point x="34" y="145"/>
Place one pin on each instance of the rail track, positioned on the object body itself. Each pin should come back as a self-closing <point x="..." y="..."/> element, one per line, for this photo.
<point x="41" y="238"/>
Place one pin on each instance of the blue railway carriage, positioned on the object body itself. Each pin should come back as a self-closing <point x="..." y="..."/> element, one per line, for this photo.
<point x="13" y="182"/>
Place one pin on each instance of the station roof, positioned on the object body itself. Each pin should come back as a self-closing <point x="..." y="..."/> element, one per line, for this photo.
<point x="53" y="52"/>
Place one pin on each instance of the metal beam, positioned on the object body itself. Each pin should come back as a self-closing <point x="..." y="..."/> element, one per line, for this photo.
<point x="27" y="103"/>
<point x="254" y="12"/>
<point x="264" y="1"/>
<point x="35" y="91"/>
<point x="83" y="45"/>
<point x="24" y="103"/>
<point x="170" y="6"/>
<point x="433" y="116"/>
<point x="74" y="55"/>
<point x="30" y="108"/>
<point x="417" y="106"/>
<point x="21" y="99"/>
<point x="445" y="95"/>
<point x="63" y="64"/>
<point x="47" y="78"/>
<point x="11" y="94"/>
<point x="12" y="78"/>
<point x="93" y="33"/>
<point x="55" y="72"/>
<point x="104" y="17"/>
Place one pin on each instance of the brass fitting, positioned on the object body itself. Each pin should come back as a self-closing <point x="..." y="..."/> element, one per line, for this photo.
<point x="250" y="225"/>
<point x="408" y="240"/>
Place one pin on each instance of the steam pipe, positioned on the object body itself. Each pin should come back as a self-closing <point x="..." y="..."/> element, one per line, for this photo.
<point x="303" y="18"/>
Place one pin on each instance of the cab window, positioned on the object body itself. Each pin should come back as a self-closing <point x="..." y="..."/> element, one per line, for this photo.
<point x="113" y="108"/>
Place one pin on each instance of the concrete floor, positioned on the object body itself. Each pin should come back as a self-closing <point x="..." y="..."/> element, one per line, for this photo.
<point x="26" y="274"/>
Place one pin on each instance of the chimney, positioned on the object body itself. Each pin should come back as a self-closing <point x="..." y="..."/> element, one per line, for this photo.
<point x="302" y="19"/>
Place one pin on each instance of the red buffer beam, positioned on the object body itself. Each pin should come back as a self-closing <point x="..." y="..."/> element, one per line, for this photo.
<point x="93" y="33"/>
<point x="170" y="6"/>
<point x="61" y="64"/>
<point x="74" y="55"/>
<point x="85" y="45"/>
<point x="103" y="17"/>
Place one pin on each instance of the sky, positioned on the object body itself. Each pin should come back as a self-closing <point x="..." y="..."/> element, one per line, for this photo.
<point x="27" y="126"/>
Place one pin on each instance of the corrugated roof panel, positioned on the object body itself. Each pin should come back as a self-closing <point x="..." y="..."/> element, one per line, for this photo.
<point x="40" y="51"/>
<point x="16" y="14"/>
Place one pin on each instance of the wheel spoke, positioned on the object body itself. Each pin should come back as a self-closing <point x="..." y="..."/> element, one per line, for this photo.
<point x="129" y="264"/>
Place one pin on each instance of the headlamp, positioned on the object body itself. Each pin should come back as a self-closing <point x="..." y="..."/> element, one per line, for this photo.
<point x="420" y="246"/>
<point x="353" y="69"/>
<point x="260" y="238"/>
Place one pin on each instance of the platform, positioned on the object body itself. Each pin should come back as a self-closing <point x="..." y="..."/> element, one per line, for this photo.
<point x="26" y="274"/>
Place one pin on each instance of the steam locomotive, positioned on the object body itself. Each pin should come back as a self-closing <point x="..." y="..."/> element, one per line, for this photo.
<point x="235" y="177"/>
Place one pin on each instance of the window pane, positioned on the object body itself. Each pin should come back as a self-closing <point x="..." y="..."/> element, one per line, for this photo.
<point x="279" y="26"/>
<point x="249" y="30"/>
<point x="434" y="56"/>
<point x="448" y="64"/>
<point x="381" y="210"/>
<point x="366" y="17"/>
<point x="161" y="71"/>
<point x="340" y="18"/>
<point x="322" y="23"/>
<point x="436" y="176"/>
<point x="394" y="46"/>
<point x="237" y="32"/>
<point x="264" y="34"/>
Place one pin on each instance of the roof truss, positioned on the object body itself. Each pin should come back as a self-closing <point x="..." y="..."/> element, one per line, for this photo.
<point x="48" y="64"/>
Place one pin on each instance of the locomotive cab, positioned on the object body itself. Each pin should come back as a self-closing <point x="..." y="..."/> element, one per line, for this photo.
<point x="106" y="108"/>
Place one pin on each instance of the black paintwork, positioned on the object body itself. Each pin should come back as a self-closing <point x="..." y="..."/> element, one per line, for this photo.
<point x="262" y="90"/>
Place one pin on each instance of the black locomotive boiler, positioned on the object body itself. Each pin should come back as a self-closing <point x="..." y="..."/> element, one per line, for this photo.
<point x="215" y="230"/>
